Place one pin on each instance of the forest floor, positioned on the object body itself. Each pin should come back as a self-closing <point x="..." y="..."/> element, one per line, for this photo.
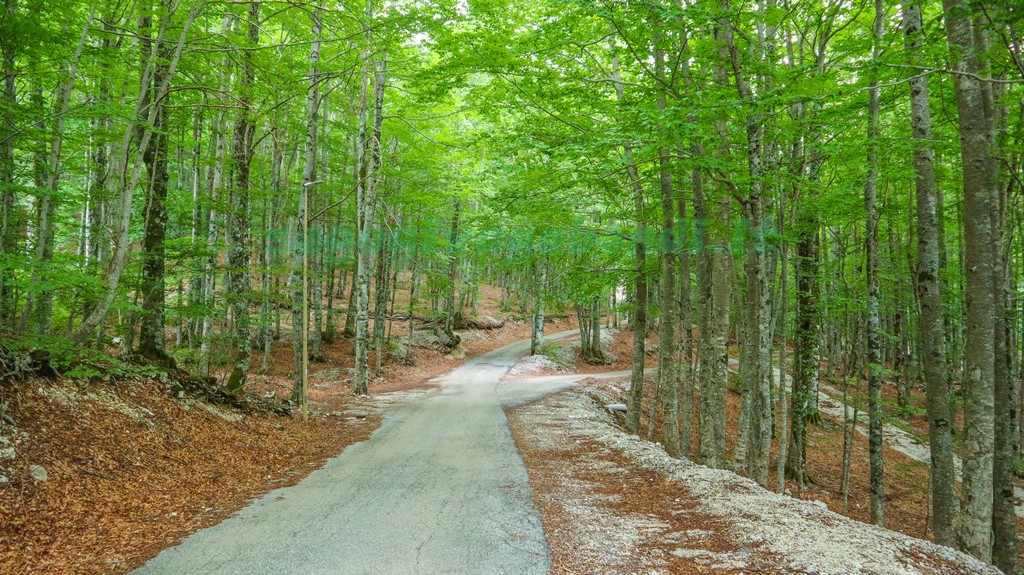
<point x="907" y="509"/>
<point x="614" y="503"/>
<point x="122" y="470"/>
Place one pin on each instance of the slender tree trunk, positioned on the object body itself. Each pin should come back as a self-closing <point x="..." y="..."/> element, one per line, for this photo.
<point x="874" y="343"/>
<point x="212" y="230"/>
<point x="8" y="210"/>
<point x="638" y="320"/>
<point x="1004" y="515"/>
<point x="270" y="248"/>
<point x="40" y="312"/>
<point x="667" y="378"/>
<point x="296" y="281"/>
<point x="539" y="294"/>
<point x="785" y="378"/>
<point x="686" y="373"/>
<point x="753" y="364"/>
<point x="412" y="295"/>
<point x="452" y="310"/>
<point x="931" y="323"/>
<point x="806" y="341"/>
<point x="367" y="204"/>
<point x="716" y="278"/>
<point x="380" y="302"/>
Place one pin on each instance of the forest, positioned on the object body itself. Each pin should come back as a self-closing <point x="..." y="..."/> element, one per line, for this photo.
<point x="828" y="190"/>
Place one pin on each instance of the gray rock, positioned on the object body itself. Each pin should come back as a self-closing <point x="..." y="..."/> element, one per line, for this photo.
<point x="38" y="472"/>
<point x="617" y="407"/>
<point x="4" y="480"/>
<point x="483" y="322"/>
<point x="7" y="453"/>
<point x="438" y="341"/>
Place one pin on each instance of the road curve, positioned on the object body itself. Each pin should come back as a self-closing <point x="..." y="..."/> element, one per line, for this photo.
<point x="439" y="488"/>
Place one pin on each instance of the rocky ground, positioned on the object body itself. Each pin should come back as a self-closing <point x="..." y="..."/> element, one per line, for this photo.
<point x="614" y="503"/>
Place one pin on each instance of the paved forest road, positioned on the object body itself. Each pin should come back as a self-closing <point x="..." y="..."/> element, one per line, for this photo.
<point x="439" y="488"/>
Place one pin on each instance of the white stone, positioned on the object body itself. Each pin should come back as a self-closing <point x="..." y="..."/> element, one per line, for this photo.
<point x="38" y="472"/>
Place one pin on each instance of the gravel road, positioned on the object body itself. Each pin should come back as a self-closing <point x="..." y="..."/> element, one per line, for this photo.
<point x="439" y="488"/>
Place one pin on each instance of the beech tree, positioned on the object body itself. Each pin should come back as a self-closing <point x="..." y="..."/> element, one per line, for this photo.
<point x="766" y="192"/>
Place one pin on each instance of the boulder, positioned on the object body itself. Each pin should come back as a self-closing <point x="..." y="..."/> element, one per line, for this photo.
<point x="483" y="322"/>
<point x="435" y="340"/>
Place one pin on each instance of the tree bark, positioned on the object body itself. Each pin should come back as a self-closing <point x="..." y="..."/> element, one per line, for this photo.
<point x="239" y="277"/>
<point x="39" y="308"/>
<point x="152" y="317"/>
<point x="754" y="354"/>
<point x="300" y="315"/>
<point x="874" y="343"/>
<point x="668" y="380"/>
<point x="715" y="284"/>
<point x="931" y="324"/>
<point x="367" y="214"/>
<point x="216" y="182"/>
<point x="127" y="185"/>
<point x="539" y="294"/>
<point x="979" y="180"/>
<point x="8" y="210"/>
<point x="638" y="321"/>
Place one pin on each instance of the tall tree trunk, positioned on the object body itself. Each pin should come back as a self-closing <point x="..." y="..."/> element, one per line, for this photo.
<point x="1004" y="514"/>
<point x="931" y="323"/>
<point x="638" y="321"/>
<point x="216" y="182"/>
<point x="973" y="102"/>
<point x="874" y="342"/>
<point x="754" y="354"/>
<point x="8" y="209"/>
<point x="367" y="214"/>
<point x="538" y="295"/>
<point x="152" y="317"/>
<point x="452" y="311"/>
<point x="39" y="303"/>
<point x="270" y="246"/>
<point x="297" y="278"/>
<point x="239" y="285"/>
<point x="806" y="338"/>
<point x="380" y="303"/>
<point x="715" y="279"/>
<point x="128" y="183"/>
<point x="667" y="378"/>
<point x="596" y="354"/>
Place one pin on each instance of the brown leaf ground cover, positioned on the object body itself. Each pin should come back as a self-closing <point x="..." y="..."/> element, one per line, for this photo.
<point x="132" y="471"/>
<point x="906" y="480"/>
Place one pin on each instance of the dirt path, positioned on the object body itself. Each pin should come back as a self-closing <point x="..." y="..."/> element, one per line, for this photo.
<point x="439" y="488"/>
